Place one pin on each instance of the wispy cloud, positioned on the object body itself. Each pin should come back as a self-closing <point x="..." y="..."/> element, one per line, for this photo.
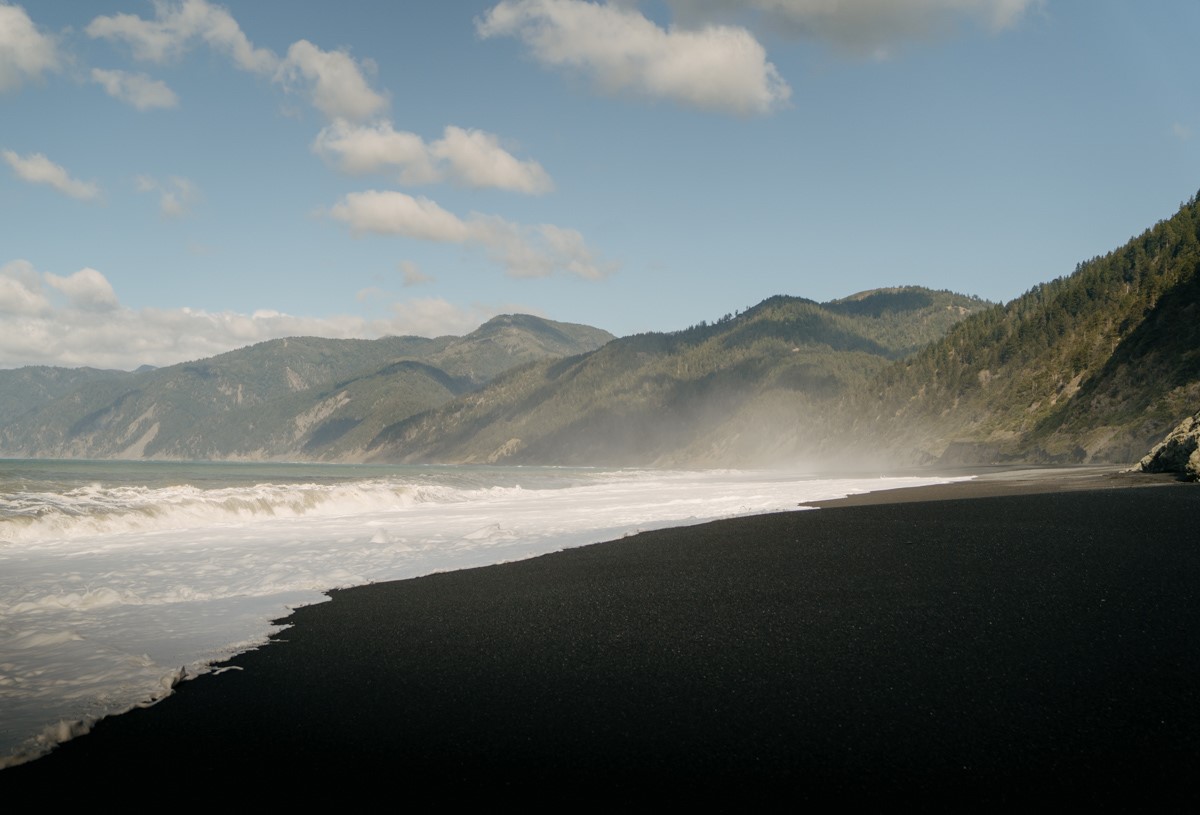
<point x="333" y="80"/>
<point x="176" y="26"/>
<point x="523" y="251"/>
<point x="175" y="194"/>
<point x="470" y="158"/>
<point x="137" y="90"/>
<point x="411" y="274"/>
<point x="37" y="169"/>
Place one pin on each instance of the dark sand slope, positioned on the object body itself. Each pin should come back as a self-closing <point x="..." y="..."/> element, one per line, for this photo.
<point x="991" y="649"/>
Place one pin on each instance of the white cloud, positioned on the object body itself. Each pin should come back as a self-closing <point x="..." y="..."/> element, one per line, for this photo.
<point x="25" y="53"/>
<point x="868" y="27"/>
<point x="523" y="251"/>
<point x="369" y="148"/>
<point x="535" y="251"/>
<point x="1181" y="131"/>
<point x="411" y="273"/>
<point x="138" y="90"/>
<point x="21" y="290"/>
<point x="37" y="169"/>
<point x="87" y="290"/>
<point x="175" y="195"/>
<point x="706" y="57"/>
<point x="474" y="158"/>
<point x="76" y="320"/>
<point x="176" y="26"/>
<point x="394" y="213"/>
<point x="333" y="80"/>
<point x="339" y="90"/>
<point x="470" y="158"/>
<point x="715" y="67"/>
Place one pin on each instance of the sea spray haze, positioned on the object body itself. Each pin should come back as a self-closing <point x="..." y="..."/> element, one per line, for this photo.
<point x="117" y="578"/>
<point x="755" y="388"/>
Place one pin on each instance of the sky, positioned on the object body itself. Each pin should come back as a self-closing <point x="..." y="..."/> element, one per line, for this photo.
<point x="179" y="178"/>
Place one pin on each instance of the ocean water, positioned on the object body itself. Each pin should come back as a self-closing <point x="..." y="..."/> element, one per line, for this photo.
<point x="118" y="579"/>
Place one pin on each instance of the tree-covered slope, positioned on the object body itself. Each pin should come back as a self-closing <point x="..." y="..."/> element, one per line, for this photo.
<point x="302" y="397"/>
<point x="31" y="387"/>
<point x="646" y="399"/>
<point x="319" y="423"/>
<point x="140" y="414"/>
<point x="1095" y="366"/>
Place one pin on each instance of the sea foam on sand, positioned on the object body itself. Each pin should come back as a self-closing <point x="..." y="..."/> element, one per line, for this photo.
<point x="110" y="594"/>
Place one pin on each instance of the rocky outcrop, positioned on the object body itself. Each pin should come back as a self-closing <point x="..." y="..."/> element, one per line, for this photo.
<point x="1179" y="452"/>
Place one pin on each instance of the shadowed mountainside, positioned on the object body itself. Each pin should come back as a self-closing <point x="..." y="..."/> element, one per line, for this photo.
<point x="659" y="398"/>
<point x="1093" y="367"/>
<point x="302" y="397"/>
<point x="33" y="386"/>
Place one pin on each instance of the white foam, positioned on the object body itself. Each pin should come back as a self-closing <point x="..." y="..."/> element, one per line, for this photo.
<point x="107" y="593"/>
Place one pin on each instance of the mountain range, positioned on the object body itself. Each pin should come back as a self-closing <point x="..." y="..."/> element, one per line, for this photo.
<point x="295" y="399"/>
<point x="1095" y="366"/>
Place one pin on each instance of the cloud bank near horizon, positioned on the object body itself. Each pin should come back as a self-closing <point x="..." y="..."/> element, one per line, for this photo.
<point x="77" y="320"/>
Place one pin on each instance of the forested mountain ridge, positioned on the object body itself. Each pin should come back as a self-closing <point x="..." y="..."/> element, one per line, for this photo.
<point x="653" y="398"/>
<point x="1095" y="366"/>
<point x="1092" y="367"/>
<point x="24" y="389"/>
<point x="286" y="398"/>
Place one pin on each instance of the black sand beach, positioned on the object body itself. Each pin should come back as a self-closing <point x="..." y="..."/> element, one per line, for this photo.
<point x="1000" y="642"/>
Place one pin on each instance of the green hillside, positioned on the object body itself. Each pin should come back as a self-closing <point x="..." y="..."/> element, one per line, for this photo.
<point x="1091" y="367"/>
<point x="646" y="399"/>
<point x="296" y="398"/>
<point x="31" y="387"/>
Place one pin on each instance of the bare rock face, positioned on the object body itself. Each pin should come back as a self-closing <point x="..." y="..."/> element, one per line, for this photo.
<point x="1179" y="452"/>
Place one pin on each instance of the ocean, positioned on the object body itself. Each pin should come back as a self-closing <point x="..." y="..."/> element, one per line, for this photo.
<point x="118" y="579"/>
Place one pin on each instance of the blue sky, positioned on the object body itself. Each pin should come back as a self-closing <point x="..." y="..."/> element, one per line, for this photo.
<point x="182" y="178"/>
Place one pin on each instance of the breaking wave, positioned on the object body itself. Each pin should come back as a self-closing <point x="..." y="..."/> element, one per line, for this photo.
<point x="103" y="510"/>
<point x="113" y="575"/>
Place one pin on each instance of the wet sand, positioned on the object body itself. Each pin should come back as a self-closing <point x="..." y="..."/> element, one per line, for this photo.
<point x="1024" y="637"/>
